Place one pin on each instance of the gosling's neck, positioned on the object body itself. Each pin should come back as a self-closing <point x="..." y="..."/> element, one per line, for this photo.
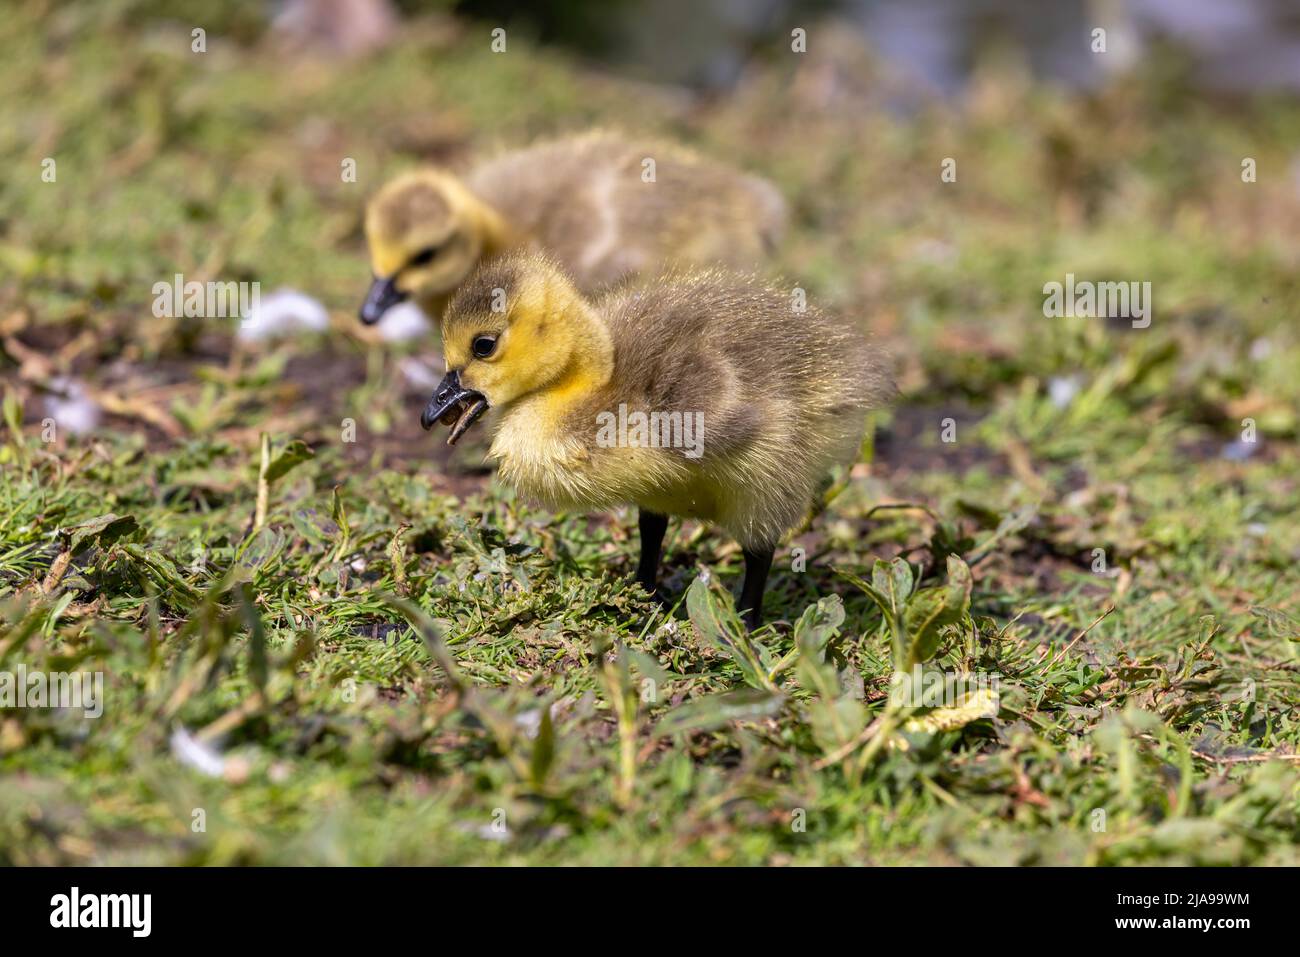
<point x="496" y="233"/>
<point x="591" y="363"/>
<point x="496" y="236"/>
<point x="538" y="417"/>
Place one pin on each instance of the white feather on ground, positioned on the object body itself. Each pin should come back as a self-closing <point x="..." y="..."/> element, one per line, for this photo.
<point x="71" y="407"/>
<point x="284" y="312"/>
<point x="193" y="753"/>
<point x="1062" y="390"/>
<point x="404" y="322"/>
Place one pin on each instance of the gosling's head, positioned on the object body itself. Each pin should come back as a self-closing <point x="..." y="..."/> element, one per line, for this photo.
<point x="424" y="232"/>
<point x="516" y="327"/>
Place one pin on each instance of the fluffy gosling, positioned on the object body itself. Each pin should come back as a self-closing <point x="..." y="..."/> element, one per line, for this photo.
<point x="695" y="394"/>
<point x="592" y="201"/>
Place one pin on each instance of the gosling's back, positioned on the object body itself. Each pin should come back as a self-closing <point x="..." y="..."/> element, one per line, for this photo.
<point x="591" y="203"/>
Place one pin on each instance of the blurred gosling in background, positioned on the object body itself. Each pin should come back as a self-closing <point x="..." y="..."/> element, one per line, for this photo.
<point x="603" y="206"/>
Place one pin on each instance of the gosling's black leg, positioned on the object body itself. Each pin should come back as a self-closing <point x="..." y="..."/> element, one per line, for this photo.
<point x="653" y="527"/>
<point x="757" y="565"/>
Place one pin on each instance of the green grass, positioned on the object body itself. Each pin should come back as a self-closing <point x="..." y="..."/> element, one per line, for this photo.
<point x="405" y="664"/>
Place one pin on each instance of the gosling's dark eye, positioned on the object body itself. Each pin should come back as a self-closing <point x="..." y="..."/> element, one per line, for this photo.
<point x="482" y="346"/>
<point x="424" y="256"/>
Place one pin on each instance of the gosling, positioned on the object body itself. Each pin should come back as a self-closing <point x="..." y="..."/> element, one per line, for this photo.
<point x="603" y="206"/>
<point x="692" y="394"/>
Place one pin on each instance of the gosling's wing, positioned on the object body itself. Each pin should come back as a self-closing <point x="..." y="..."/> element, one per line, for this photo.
<point x="697" y="212"/>
<point x="682" y="346"/>
<point x="767" y="369"/>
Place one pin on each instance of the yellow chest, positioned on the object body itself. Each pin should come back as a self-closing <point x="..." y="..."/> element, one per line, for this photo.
<point x="538" y="453"/>
<point x="537" y="457"/>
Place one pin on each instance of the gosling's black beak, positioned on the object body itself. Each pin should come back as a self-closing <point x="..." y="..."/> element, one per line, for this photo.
<point x="383" y="296"/>
<point x="453" y="405"/>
